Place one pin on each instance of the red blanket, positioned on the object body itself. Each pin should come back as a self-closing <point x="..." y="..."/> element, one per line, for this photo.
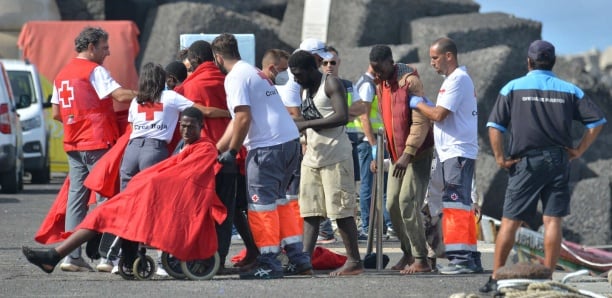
<point x="171" y="206"/>
<point x="103" y="179"/>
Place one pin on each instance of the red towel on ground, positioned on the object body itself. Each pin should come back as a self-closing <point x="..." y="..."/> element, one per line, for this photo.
<point x="171" y="206"/>
<point x="322" y="258"/>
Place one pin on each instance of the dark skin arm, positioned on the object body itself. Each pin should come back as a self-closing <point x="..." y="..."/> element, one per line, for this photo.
<point x="335" y="91"/>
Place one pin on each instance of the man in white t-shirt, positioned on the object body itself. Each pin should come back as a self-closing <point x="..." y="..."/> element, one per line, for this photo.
<point x="455" y="117"/>
<point x="82" y="100"/>
<point x="261" y="122"/>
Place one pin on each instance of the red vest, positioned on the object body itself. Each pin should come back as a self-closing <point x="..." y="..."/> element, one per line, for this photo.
<point x="89" y="123"/>
<point x="394" y="106"/>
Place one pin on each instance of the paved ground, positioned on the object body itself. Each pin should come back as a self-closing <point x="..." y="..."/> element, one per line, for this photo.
<point x="21" y="214"/>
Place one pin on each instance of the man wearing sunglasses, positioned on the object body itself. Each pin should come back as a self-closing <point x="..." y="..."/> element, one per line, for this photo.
<point x="331" y="67"/>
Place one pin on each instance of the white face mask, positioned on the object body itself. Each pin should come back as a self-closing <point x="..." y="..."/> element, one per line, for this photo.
<point x="281" y="78"/>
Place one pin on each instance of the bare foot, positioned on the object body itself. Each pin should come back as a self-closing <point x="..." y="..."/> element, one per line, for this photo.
<point x="403" y="262"/>
<point x="417" y="267"/>
<point x="349" y="268"/>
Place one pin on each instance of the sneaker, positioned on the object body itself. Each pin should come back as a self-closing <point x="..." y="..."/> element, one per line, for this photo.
<point x="262" y="271"/>
<point x="301" y="269"/>
<point x="490" y="286"/>
<point x="391" y="232"/>
<point x="161" y="271"/>
<point x="105" y="265"/>
<point x="75" y="265"/>
<point x="325" y="240"/>
<point x="362" y="237"/>
<point x="456" y="269"/>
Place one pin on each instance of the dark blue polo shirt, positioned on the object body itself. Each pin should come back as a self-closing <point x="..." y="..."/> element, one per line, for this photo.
<point x="539" y="109"/>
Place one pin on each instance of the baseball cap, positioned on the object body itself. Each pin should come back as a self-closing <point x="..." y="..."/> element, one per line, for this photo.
<point x="541" y="50"/>
<point x="315" y="46"/>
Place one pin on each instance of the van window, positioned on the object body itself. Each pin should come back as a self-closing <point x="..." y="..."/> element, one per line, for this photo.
<point x="21" y="83"/>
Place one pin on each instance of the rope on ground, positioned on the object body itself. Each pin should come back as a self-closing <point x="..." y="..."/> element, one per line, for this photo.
<point x="548" y="289"/>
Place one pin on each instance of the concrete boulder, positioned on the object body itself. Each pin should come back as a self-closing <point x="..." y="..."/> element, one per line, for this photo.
<point x="162" y="39"/>
<point x="355" y="60"/>
<point x="81" y="9"/>
<point x="8" y="45"/>
<point x="361" y="23"/>
<point x="591" y="212"/>
<point x="15" y="13"/>
<point x="475" y="31"/>
<point x="274" y="8"/>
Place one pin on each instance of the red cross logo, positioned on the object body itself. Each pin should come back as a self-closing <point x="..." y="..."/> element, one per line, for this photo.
<point x="263" y="76"/>
<point x="66" y="94"/>
<point x="149" y="109"/>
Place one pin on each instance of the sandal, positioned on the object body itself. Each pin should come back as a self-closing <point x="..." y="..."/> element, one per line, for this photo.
<point x="42" y="258"/>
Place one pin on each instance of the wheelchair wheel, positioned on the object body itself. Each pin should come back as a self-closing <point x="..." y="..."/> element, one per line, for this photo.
<point x="172" y="266"/>
<point x="202" y="269"/>
<point x="144" y="268"/>
<point x="125" y="271"/>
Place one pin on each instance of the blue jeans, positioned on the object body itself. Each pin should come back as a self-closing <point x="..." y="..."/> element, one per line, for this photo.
<point x="364" y="151"/>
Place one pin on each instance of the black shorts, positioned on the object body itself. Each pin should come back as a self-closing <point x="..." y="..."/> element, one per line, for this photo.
<point x="541" y="174"/>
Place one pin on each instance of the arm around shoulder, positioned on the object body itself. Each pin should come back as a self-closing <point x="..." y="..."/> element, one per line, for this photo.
<point x="123" y="95"/>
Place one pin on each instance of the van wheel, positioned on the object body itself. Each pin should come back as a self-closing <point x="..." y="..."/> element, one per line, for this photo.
<point x="41" y="176"/>
<point x="11" y="181"/>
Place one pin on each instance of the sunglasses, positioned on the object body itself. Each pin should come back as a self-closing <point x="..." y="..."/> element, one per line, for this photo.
<point x="329" y="62"/>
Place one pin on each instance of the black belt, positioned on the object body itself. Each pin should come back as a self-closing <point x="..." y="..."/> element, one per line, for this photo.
<point x="540" y="151"/>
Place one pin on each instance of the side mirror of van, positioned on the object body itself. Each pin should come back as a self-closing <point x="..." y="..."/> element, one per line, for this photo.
<point x="47" y="103"/>
<point x="24" y="101"/>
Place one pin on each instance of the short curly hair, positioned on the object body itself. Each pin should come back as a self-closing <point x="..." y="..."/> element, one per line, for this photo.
<point x="89" y="35"/>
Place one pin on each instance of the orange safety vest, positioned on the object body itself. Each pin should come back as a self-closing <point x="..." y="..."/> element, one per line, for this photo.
<point x="89" y="122"/>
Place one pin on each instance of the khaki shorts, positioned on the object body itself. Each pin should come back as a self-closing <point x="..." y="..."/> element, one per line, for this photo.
<point x="328" y="191"/>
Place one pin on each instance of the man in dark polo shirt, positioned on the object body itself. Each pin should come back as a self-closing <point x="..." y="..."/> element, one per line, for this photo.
<point x="537" y="110"/>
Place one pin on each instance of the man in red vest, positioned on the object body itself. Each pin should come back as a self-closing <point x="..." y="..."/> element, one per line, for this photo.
<point x="410" y="144"/>
<point x="81" y="99"/>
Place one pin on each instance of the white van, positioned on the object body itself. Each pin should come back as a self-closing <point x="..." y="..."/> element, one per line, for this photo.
<point x="25" y="82"/>
<point x="11" y="149"/>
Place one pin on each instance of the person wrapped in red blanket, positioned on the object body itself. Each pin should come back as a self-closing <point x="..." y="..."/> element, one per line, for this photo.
<point x="172" y="189"/>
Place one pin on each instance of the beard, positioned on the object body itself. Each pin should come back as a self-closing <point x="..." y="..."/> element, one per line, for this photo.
<point x="221" y="67"/>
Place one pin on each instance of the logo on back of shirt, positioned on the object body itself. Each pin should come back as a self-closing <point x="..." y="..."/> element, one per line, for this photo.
<point x="149" y="109"/>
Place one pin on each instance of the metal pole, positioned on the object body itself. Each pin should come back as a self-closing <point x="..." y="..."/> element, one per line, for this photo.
<point x="372" y="219"/>
<point x="380" y="176"/>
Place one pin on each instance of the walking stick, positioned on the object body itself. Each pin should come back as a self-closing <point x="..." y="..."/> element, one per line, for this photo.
<point x="376" y="207"/>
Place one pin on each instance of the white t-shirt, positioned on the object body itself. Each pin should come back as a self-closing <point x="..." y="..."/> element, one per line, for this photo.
<point x="101" y="81"/>
<point x="457" y="135"/>
<point x="271" y="124"/>
<point x="157" y="122"/>
<point x="288" y="96"/>
<point x="366" y="91"/>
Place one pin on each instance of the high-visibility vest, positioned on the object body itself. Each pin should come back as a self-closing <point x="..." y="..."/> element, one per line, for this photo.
<point x="375" y="121"/>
